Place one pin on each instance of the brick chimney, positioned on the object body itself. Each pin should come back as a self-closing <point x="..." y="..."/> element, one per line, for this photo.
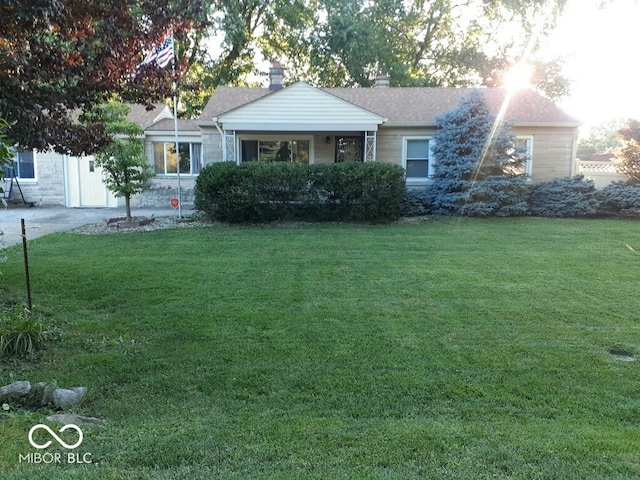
<point x="276" y="76"/>
<point x="382" y="80"/>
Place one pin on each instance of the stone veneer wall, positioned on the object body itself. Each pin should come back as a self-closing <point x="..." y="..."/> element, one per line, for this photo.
<point x="49" y="187"/>
<point x="161" y="198"/>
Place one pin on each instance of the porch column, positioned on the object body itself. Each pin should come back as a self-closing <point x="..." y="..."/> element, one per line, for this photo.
<point x="229" y="146"/>
<point x="370" y="146"/>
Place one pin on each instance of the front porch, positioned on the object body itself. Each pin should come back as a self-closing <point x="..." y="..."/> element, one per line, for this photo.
<point x="299" y="147"/>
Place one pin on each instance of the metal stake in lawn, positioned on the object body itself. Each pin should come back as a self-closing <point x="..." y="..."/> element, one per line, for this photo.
<point x="26" y="264"/>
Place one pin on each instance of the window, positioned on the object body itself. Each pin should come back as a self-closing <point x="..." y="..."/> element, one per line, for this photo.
<point x="417" y="159"/>
<point x="524" y="145"/>
<point x="164" y="158"/>
<point x="24" y="165"/>
<point x="267" y="150"/>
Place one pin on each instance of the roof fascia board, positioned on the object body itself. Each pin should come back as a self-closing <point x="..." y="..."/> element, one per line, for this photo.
<point x="296" y="127"/>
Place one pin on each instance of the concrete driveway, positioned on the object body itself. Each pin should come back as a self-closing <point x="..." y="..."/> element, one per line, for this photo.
<point x="40" y="221"/>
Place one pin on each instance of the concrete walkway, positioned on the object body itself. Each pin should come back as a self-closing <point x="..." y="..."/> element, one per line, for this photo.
<point x="40" y="221"/>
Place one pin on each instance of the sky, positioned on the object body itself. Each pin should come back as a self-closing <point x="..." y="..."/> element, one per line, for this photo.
<point x="601" y="50"/>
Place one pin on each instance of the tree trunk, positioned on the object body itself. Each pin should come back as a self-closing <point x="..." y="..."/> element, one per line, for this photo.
<point x="127" y="201"/>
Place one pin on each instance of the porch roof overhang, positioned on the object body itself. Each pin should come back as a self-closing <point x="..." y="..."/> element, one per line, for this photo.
<point x="297" y="127"/>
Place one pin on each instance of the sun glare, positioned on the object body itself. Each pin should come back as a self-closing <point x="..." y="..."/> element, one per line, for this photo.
<point x="518" y="76"/>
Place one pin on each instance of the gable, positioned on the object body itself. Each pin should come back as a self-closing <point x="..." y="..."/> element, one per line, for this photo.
<point x="300" y="107"/>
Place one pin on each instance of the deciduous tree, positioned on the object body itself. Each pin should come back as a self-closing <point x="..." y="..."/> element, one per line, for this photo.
<point x="127" y="171"/>
<point x="59" y="58"/>
<point x="628" y="156"/>
<point x="423" y="42"/>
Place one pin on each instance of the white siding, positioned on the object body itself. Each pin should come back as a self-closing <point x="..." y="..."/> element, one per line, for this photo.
<point x="300" y="107"/>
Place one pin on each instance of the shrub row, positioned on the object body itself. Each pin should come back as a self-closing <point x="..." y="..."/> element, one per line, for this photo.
<point x="264" y="192"/>
<point x="562" y="197"/>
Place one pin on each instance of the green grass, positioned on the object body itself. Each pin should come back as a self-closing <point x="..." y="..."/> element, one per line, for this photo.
<point x="454" y="348"/>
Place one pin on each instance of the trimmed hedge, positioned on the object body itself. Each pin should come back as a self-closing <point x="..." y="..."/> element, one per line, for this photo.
<point x="264" y="192"/>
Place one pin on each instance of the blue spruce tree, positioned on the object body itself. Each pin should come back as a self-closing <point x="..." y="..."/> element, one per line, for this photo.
<point x="478" y="171"/>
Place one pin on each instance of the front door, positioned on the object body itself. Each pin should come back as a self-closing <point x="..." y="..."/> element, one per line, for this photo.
<point x="349" y="149"/>
<point x="93" y="191"/>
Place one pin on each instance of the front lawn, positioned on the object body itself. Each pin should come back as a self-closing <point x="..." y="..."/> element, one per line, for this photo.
<point x="453" y="348"/>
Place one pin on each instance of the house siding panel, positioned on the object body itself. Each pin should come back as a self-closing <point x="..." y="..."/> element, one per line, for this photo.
<point x="390" y="141"/>
<point x="301" y="105"/>
<point x="553" y="151"/>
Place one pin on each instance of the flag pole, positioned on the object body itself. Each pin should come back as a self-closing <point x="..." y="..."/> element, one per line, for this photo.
<point x="175" y="123"/>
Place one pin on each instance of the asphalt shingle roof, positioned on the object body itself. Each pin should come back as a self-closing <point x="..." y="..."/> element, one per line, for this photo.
<point x="410" y="105"/>
<point x="144" y="117"/>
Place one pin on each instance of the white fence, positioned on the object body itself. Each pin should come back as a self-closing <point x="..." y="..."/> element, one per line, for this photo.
<point x="602" y="173"/>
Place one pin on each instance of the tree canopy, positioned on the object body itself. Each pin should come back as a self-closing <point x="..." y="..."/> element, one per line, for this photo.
<point x="628" y="156"/>
<point x="59" y="58"/>
<point x="418" y="42"/>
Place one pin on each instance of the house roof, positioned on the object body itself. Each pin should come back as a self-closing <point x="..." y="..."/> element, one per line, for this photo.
<point x="167" y="124"/>
<point x="225" y="99"/>
<point x="410" y="105"/>
<point x="144" y="117"/>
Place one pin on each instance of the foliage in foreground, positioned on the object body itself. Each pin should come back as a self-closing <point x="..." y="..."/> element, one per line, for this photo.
<point x="264" y="192"/>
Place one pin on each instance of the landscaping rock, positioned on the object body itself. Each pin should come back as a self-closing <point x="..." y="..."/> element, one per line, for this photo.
<point x="15" y="388"/>
<point x="68" y="398"/>
<point x="79" y="420"/>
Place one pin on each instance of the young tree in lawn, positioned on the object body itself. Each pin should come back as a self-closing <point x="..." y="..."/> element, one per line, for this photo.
<point x="628" y="156"/>
<point x="126" y="169"/>
<point x="478" y="171"/>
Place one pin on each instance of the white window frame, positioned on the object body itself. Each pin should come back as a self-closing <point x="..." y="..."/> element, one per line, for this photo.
<point x="418" y="180"/>
<point x="282" y="137"/>
<point x="528" y="166"/>
<point x="172" y="141"/>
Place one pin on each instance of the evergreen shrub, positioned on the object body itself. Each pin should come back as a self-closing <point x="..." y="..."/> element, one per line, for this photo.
<point x="564" y="197"/>
<point x="620" y="198"/>
<point x="264" y="192"/>
<point x="478" y="169"/>
<point x="417" y="202"/>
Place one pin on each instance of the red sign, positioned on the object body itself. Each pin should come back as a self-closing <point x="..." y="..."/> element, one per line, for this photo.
<point x="175" y="202"/>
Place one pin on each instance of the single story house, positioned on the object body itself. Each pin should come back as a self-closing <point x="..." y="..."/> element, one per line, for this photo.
<point x="302" y="123"/>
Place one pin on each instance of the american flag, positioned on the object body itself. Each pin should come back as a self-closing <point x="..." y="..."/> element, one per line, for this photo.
<point x="161" y="55"/>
